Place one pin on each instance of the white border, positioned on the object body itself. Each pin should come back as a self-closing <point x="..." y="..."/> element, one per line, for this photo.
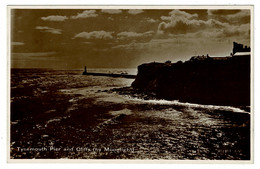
<point x="97" y="2"/>
<point x="125" y="7"/>
<point x="132" y="6"/>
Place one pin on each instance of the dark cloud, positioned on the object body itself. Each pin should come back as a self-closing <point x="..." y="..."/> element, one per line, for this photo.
<point x="222" y="11"/>
<point x="231" y="16"/>
<point x="242" y="17"/>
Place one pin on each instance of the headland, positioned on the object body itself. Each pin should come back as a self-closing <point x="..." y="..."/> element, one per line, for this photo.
<point x="202" y="79"/>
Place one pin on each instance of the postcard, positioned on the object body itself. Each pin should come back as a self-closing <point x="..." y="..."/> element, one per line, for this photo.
<point x="131" y="83"/>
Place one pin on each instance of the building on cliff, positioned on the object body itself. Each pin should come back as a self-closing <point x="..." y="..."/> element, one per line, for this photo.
<point x="240" y="48"/>
<point x="239" y="51"/>
<point x="193" y="58"/>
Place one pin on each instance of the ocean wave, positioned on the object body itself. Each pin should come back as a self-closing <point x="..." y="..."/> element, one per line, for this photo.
<point x="190" y="105"/>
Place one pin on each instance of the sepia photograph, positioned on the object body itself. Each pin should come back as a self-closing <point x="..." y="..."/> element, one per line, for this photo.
<point x="132" y="83"/>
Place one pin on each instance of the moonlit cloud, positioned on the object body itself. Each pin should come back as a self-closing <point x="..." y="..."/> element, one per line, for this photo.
<point x="110" y="18"/>
<point x="151" y="20"/>
<point x="17" y="43"/>
<point x="111" y="11"/>
<point x="135" y="11"/>
<point x="95" y="35"/>
<point x="42" y="27"/>
<point x="234" y="26"/>
<point x="48" y="29"/>
<point x="54" y="31"/>
<point x="57" y="18"/>
<point x="88" y="43"/>
<point x="183" y="22"/>
<point x="124" y="35"/>
<point x="180" y="15"/>
<point x="85" y="14"/>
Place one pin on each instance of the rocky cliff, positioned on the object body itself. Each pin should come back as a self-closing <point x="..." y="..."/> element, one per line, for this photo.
<point x="208" y="81"/>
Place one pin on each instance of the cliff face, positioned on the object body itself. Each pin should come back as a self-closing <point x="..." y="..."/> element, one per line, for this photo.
<point x="219" y="82"/>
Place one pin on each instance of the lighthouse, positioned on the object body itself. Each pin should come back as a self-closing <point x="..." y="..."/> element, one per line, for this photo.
<point x="85" y="71"/>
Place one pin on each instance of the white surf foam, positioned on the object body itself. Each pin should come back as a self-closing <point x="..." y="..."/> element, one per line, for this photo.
<point x="191" y="105"/>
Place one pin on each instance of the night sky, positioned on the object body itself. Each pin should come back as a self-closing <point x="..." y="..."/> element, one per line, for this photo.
<point x="114" y="38"/>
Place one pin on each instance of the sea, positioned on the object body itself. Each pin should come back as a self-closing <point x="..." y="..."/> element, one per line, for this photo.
<point x="62" y="114"/>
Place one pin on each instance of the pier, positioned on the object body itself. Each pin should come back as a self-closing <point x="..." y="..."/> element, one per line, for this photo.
<point x="109" y="74"/>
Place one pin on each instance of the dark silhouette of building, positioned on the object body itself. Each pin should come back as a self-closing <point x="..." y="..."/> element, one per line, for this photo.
<point x="240" y="48"/>
<point x="168" y="62"/>
<point x="239" y="51"/>
<point x="194" y="58"/>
